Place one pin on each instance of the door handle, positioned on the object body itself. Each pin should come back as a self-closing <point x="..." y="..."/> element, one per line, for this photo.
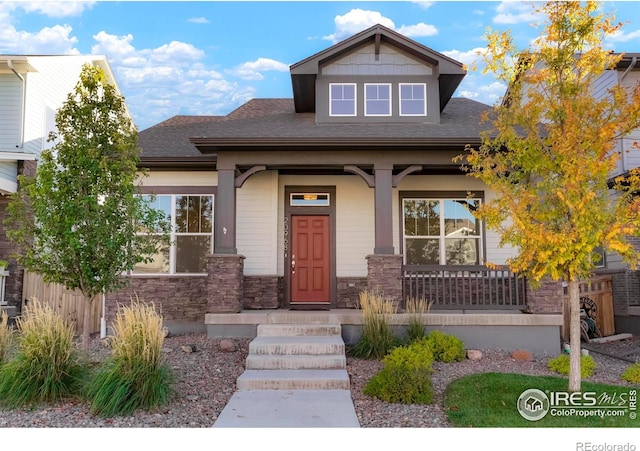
<point x="293" y="264"/>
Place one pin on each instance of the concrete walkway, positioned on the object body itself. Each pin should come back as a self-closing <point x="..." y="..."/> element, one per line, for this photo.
<point x="289" y="409"/>
<point x="295" y="377"/>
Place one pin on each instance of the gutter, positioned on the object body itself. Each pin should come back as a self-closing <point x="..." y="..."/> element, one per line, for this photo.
<point x="24" y="100"/>
<point x="632" y="64"/>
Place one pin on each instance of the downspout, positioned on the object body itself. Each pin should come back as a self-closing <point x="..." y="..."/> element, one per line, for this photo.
<point x="624" y="74"/>
<point x="24" y="100"/>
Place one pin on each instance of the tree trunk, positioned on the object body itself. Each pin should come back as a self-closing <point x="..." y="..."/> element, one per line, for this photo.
<point x="86" y="323"/>
<point x="574" y="336"/>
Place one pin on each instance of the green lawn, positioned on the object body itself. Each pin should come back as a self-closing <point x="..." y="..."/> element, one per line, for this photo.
<point x="490" y="400"/>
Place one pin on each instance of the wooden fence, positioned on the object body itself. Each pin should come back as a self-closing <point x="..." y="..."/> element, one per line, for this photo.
<point x="599" y="290"/>
<point x="67" y="303"/>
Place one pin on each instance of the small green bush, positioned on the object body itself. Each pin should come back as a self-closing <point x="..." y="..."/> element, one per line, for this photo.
<point x="377" y="336"/>
<point x="134" y="376"/>
<point x="632" y="373"/>
<point x="445" y="347"/>
<point x="46" y="366"/>
<point x="561" y="365"/>
<point x="405" y="376"/>
<point x="6" y="337"/>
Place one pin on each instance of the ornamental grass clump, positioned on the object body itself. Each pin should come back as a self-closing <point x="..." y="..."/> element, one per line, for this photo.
<point x="6" y="337"/>
<point x="417" y="309"/>
<point x="135" y="376"/>
<point x="377" y="335"/>
<point x="46" y="366"/>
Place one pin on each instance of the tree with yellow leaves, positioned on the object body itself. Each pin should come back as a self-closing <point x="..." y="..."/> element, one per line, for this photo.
<point x="551" y="152"/>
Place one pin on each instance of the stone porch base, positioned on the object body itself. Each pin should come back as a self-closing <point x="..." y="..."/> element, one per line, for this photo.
<point x="538" y="333"/>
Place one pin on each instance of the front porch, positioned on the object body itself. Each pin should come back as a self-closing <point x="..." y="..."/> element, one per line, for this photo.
<point x="491" y="329"/>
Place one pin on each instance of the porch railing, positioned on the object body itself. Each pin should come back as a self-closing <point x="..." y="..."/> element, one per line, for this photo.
<point x="465" y="287"/>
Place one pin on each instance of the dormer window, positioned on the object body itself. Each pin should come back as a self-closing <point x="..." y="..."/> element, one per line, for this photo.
<point x="413" y="99"/>
<point x="342" y="100"/>
<point x="377" y="99"/>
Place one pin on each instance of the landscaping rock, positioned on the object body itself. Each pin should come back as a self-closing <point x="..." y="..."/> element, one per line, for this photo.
<point x="227" y="346"/>
<point x="474" y="354"/>
<point x="188" y="348"/>
<point x="522" y="355"/>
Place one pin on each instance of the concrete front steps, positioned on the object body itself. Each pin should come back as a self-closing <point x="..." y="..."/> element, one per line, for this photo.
<point x="296" y="357"/>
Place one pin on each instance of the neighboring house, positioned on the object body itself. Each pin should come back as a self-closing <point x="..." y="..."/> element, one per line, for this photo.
<point x="303" y="203"/>
<point x="626" y="282"/>
<point x="32" y="88"/>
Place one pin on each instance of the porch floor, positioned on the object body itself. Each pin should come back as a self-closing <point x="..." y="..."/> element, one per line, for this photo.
<point x="495" y="329"/>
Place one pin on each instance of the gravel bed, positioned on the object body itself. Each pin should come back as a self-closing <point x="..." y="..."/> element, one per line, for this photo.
<point x="206" y="381"/>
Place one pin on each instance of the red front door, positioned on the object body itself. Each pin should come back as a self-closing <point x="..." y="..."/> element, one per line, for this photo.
<point x="310" y="280"/>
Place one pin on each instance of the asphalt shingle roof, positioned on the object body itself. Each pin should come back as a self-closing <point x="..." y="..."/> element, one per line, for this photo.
<point x="277" y="119"/>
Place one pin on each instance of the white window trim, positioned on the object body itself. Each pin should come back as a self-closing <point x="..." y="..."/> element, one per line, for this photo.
<point x="355" y="100"/>
<point x="366" y="100"/>
<point x="400" y="85"/>
<point x="173" y="246"/>
<point x="442" y="239"/>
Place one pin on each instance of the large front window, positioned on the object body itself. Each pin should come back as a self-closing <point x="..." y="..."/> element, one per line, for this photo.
<point x="441" y="231"/>
<point x="191" y="218"/>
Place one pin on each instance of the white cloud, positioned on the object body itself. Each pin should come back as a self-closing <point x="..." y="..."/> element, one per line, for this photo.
<point x="423" y="4"/>
<point x="56" y="9"/>
<point x="418" y="30"/>
<point x="56" y="40"/>
<point x="469" y="57"/>
<point x="512" y="12"/>
<point x="356" y="21"/>
<point x="253" y="70"/>
<point x="198" y="20"/>
<point x="622" y="36"/>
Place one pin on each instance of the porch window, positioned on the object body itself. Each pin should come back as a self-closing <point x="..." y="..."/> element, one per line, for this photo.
<point x="413" y="99"/>
<point x="441" y="232"/>
<point x="191" y="236"/>
<point x="377" y="101"/>
<point x="342" y="99"/>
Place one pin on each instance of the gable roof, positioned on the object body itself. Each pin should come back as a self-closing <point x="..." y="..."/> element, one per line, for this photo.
<point x="305" y="72"/>
<point x="265" y="123"/>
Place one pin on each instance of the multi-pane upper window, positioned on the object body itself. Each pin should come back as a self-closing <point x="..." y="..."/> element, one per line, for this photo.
<point x="377" y="99"/>
<point x="441" y="232"/>
<point x="413" y="99"/>
<point x="342" y="101"/>
<point x="191" y="218"/>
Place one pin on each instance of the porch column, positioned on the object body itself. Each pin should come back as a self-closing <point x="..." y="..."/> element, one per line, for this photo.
<point x="384" y="276"/>
<point x="383" y="174"/>
<point x="225" y="213"/>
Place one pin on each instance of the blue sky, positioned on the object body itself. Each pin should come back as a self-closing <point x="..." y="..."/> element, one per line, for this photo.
<point x="209" y="57"/>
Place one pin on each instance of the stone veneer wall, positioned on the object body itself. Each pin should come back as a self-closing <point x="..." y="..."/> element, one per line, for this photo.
<point x="547" y="298"/>
<point x="384" y="275"/>
<point x="176" y="298"/>
<point x="13" y="283"/>
<point x="225" y="282"/>
<point x="348" y="291"/>
<point x="263" y="292"/>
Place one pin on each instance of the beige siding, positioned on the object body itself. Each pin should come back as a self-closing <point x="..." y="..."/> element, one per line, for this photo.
<point x="390" y="62"/>
<point x="181" y="178"/>
<point x="257" y="223"/>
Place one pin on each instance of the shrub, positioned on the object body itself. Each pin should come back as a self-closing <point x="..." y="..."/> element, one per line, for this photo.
<point x="416" y="308"/>
<point x="6" y="337"/>
<point x="561" y="365"/>
<point x="446" y="348"/>
<point x="377" y="336"/>
<point x="134" y="376"/>
<point x="46" y="366"/>
<point x="632" y="373"/>
<point x="405" y="376"/>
